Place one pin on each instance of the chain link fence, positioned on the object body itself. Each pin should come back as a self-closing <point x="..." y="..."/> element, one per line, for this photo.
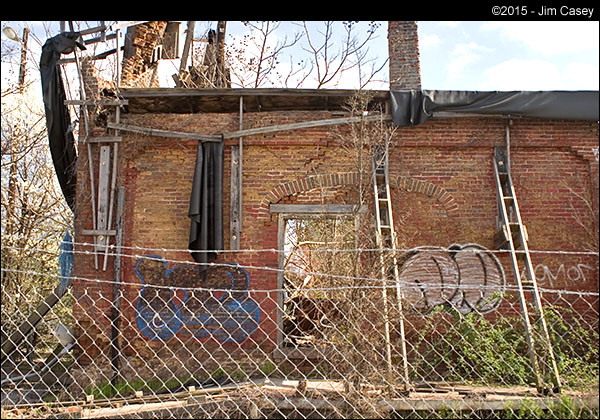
<point x="323" y="345"/>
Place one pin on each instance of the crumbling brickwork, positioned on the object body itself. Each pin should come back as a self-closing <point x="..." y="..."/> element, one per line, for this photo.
<point x="138" y="69"/>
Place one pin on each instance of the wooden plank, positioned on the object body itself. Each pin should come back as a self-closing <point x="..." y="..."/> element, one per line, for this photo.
<point x="25" y="328"/>
<point x="306" y="124"/>
<point x="112" y="197"/>
<point x="115" y="159"/>
<point x="165" y="133"/>
<point x="488" y="404"/>
<point x="103" y="184"/>
<point x="317" y="208"/>
<point x="235" y="213"/>
<point x="102" y="102"/>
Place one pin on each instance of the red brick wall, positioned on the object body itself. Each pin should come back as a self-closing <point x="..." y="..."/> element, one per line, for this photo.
<point x="443" y="191"/>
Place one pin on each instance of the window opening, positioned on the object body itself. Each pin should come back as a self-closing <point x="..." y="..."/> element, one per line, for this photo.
<point x="318" y="261"/>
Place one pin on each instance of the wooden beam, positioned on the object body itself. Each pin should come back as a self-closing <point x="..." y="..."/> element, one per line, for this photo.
<point x="103" y="102"/>
<point x="317" y="208"/>
<point x="235" y="200"/>
<point x="306" y="124"/>
<point x="165" y="133"/>
<point x="25" y="328"/>
<point x="251" y="131"/>
<point x="186" y="49"/>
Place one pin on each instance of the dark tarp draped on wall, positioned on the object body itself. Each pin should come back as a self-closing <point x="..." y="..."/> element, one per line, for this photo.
<point x="206" y="203"/>
<point x="58" y="119"/>
<point x="415" y="107"/>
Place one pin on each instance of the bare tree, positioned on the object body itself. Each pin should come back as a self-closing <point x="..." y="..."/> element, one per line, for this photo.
<point x="34" y="212"/>
<point x="328" y="51"/>
<point x="330" y="61"/>
<point x="256" y="58"/>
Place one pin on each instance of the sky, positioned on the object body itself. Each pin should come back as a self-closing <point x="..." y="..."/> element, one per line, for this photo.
<point x="468" y="55"/>
<point x="500" y="55"/>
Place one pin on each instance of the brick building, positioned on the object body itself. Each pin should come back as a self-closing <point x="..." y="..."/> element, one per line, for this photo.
<point x="441" y="178"/>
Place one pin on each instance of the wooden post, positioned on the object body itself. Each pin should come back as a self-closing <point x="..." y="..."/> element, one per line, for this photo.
<point x="235" y="211"/>
<point x="113" y="185"/>
<point x="186" y="50"/>
<point x="103" y="175"/>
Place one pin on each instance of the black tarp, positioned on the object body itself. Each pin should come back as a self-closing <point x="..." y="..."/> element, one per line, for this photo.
<point x="206" y="203"/>
<point x="58" y="119"/>
<point x="414" y="107"/>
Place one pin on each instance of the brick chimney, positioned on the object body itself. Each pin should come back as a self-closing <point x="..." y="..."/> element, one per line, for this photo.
<point x="403" y="46"/>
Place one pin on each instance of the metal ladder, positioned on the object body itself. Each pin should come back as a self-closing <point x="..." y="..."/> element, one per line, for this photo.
<point x="386" y="242"/>
<point x="512" y="235"/>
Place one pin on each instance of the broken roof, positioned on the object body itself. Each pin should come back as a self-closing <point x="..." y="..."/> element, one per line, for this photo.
<point x="411" y="107"/>
<point x="182" y="100"/>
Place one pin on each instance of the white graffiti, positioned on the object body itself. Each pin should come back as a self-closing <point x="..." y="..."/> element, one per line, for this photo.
<point x="575" y="273"/>
<point x="466" y="277"/>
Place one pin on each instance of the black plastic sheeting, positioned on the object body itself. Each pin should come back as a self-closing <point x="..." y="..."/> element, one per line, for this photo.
<point x="58" y="119"/>
<point x="414" y="107"/>
<point x="206" y="203"/>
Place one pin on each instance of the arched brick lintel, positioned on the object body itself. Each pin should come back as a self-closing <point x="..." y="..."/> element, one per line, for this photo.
<point x="428" y="188"/>
<point x="351" y="178"/>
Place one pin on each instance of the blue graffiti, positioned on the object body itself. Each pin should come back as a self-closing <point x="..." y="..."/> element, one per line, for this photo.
<point x="214" y="302"/>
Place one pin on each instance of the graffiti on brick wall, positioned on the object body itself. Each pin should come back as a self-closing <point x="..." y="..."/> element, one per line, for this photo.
<point x="574" y="274"/>
<point x="467" y="277"/>
<point x="191" y="303"/>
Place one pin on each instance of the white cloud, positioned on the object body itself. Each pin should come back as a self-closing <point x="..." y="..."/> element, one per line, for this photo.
<point x="518" y="74"/>
<point x="583" y="76"/>
<point x="429" y="41"/>
<point x="464" y="56"/>
<point x="549" y="37"/>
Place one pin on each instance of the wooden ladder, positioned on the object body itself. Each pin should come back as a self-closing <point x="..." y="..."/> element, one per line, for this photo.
<point x="512" y="235"/>
<point x="386" y="241"/>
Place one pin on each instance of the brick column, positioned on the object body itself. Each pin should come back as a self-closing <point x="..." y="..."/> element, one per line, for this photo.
<point x="403" y="46"/>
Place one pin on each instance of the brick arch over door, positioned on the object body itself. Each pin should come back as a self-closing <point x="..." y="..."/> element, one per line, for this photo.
<point x="351" y="178"/>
